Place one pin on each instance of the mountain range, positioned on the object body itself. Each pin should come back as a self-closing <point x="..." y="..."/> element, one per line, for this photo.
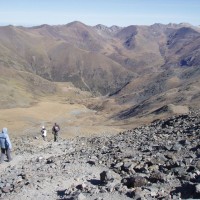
<point x="139" y="69"/>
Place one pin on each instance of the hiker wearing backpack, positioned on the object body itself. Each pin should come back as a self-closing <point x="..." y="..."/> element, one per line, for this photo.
<point x="55" y="130"/>
<point x="5" y="145"/>
<point x="44" y="133"/>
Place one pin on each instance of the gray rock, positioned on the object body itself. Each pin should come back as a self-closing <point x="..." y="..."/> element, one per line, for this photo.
<point x="106" y="176"/>
<point x="81" y="197"/>
<point x="157" y="177"/>
<point x="197" y="187"/>
<point x="6" y="189"/>
<point x="50" y="160"/>
<point x="198" y="165"/>
<point x="2" y="185"/>
<point x="136" y="181"/>
<point x="176" y="147"/>
<point x="118" y="165"/>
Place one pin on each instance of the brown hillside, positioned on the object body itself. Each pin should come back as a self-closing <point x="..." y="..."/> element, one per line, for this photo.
<point x="140" y="70"/>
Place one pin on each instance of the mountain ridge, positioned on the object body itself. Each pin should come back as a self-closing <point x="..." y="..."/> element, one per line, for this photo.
<point x="132" y="65"/>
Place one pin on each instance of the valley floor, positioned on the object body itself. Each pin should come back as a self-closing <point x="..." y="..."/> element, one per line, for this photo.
<point x="74" y="120"/>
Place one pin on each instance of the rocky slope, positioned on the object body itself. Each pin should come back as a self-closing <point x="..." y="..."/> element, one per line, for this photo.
<point x="157" y="161"/>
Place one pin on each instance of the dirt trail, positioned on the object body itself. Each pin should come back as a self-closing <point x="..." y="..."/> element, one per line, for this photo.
<point x="52" y="185"/>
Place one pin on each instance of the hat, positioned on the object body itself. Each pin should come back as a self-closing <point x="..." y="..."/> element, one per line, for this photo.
<point x="4" y="130"/>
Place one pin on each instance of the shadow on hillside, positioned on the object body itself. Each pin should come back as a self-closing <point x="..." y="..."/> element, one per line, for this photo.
<point x="133" y="111"/>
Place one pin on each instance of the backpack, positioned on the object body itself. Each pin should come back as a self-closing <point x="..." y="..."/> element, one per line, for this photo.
<point x="56" y="128"/>
<point x="4" y="143"/>
<point x="42" y="131"/>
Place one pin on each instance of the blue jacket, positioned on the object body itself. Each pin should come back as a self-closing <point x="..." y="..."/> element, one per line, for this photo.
<point x="5" y="140"/>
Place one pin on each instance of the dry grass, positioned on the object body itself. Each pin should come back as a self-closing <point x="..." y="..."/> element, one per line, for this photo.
<point x="75" y="120"/>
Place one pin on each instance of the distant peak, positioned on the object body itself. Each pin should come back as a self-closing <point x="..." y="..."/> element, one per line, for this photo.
<point x="158" y="25"/>
<point x="9" y="26"/>
<point x="185" y="24"/>
<point x="102" y="27"/>
<point x="76" y="23"/>
<point x="114" y="27"/>
<point x="41" y="26"/>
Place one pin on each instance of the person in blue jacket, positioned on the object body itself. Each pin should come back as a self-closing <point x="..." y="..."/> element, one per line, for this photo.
<point x="5" y="145"/>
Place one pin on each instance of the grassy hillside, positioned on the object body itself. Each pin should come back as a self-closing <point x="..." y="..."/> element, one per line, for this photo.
<point x="19" y="88"/>
<point x="140" y="70"/>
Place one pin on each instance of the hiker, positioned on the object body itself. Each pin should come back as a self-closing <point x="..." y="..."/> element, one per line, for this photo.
<point x="44" y="133"/>
<point x="5" y="145"/>
<point x="55" y="130"/>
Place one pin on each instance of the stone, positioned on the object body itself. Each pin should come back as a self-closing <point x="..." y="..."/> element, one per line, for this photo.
<point x="6" y="189"/>
<point x="198" y="165"/>
<point x="91" y="162"/>
<point x="81" y="197"/>
<point x="197" y="188"/>
<point x="118" y="165"/>
<point x="136" y="181"/>
<point x="2" y="185"/>
<point x="39" y="159"/>
<point x="156" y="177"/>
<point x="106" y="176"/>
<point x="176" y="147"/>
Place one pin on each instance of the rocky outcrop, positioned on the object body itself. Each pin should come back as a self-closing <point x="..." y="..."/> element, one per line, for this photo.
<point x="158" y="161"/>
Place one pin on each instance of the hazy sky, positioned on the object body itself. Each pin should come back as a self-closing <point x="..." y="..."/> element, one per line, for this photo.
<point x="92" y="12"/>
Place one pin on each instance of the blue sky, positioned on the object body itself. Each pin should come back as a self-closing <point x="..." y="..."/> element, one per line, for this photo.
<point x="92" y="12"/>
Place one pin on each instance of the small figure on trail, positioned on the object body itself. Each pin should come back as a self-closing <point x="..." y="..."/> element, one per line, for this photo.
<point x="44" y="133"/>
<point x="55" y="130"/>
<point x="5" y="145"/>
